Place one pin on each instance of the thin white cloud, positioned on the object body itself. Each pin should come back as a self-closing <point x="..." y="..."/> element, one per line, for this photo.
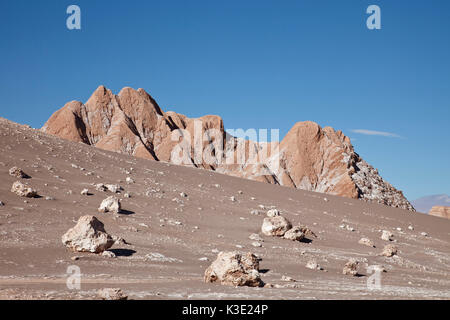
<point x="376" y="133"/>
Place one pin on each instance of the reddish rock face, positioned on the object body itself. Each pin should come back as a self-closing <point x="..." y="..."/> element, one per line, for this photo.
<point x="309" y="157"/>
<point x="440" y="211"/>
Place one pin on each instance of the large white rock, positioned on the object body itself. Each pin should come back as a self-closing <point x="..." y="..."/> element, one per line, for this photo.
<point x="275" y="226"/>
<point x="88" y="235"/>
<point x="234" y="269"/>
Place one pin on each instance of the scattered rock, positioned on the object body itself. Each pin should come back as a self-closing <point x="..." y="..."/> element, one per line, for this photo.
<point x="312" y="264"/>
<point x="256" y="237"/>
<point x="287" y="279"/>
<point x="111" y="294"/>
<point x="386" y="235"/>
<point x="366" y="242"/>
<point x="294" y="234"/>
<point x="110" y="204"/>
<point x="23" y="190"/>
<point x="273" y="213"/>
<point x="108" y="254"/>
<point x="351" y="267"/>
<point x="114" y="188"/>
<point x="88" y="235"/>
<point x="389" y="250"/>
<point x="18" y="173"/>
<point x="275" y="226"/>
<point x="235" y="269"/>
<point x="100" y="187"/>
<point x="307" y="231"/>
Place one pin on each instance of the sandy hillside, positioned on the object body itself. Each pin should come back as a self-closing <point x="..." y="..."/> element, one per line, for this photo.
<point x="172" y="239"/>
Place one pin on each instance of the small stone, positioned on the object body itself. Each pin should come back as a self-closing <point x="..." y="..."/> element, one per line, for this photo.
<point x="411" y="228"/>
<point x="233" y="199"/>
<point x="275" y="226"/>
<point x="2" y="203"/>
<point x="110" y="204"/>
<point x="111" y="294"/>
<point x="294" y="234"/>
<point x="183" y="195"/>
<point x="389" y="250"/>
<point x="108" y="254"/>
<point x="424" y="234"/>
<point x="386" y="235"/>
<point x="18" y="173"/>
<point x="312" y="264"/>
<point x="256" y="244"/>
<point x="114" y="188"/>
<point x="129" y="180"/>
<point x="287" y="279"/>
<point x="255" y="212"/>
<point x="366" y="242"/>
<point x="84" y="192"/>
<point x="23" y="190"/>
<point x="273" y="213"/>
<point x="351" y="267"/>
<point x="256" y="237"/>
<point x="234" y="269"/>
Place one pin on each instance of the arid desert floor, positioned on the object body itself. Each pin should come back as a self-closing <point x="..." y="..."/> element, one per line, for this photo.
<point x="172" y="238"/>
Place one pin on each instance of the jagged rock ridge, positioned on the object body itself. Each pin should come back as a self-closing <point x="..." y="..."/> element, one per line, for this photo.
<point x="309" y="157"/>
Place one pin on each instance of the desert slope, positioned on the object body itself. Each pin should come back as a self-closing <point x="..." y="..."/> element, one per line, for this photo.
<point x="309" y="157"/>
<point x="170" y="235"/>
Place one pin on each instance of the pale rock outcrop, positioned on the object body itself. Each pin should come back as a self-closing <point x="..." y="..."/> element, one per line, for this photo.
<point x="23" y="190"/>
<point x="309" y="157"/>
<point x="110" y="204"/>
<point x="88" y="235"/>
<point x="440" y="211"/>
<point x="234" y="269"/>
<point x="275" y="226"/>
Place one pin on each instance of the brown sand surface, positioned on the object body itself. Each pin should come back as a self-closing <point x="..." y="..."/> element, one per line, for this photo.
<point x="185" y="230"/>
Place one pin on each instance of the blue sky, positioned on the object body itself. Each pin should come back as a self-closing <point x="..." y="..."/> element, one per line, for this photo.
<point x="258" y="64"/>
